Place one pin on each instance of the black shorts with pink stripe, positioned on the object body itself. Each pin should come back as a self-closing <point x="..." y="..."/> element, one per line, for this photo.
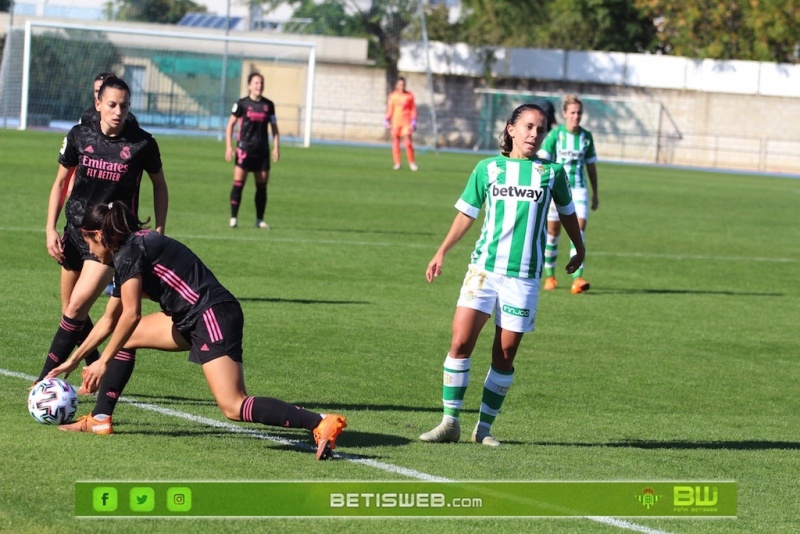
<point x="252" y="162"/>
<point x="217" y="333"/>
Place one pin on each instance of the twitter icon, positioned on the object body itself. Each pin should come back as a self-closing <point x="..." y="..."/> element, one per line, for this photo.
<point x="142" y="499"/>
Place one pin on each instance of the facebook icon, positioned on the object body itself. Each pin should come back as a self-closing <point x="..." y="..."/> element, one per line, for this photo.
<point x="104" y="499"/>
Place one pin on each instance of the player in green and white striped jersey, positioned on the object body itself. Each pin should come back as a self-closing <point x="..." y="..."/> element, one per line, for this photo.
<point x="572" y="146"/>
<point x="503" y="276"/>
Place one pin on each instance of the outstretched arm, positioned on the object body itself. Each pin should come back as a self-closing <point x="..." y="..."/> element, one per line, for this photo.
<point x="54" y="206"/>
<point x="228" y="136"/>
<point x="160" y="200"/>
<point x="461" y="225"/>
<point x="100" y="332"/>
<point x="276" y="142"/>
<point x="387" y="117"/>
<point x="129" y="316"/>
<point x="573" y="229"/>
<point x="591" y="170"/>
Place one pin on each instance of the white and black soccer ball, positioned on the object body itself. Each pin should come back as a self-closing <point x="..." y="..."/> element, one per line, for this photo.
<point x="53" y="402"/>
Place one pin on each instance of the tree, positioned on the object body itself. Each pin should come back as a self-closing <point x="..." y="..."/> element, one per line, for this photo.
<point x="327" y="18"/>
<point x="439" y="25"/>
<point x="53" y="57"/>
<point x="4" y="5"/>
<point x="514" y="23"/>
<point x="569" y="24"/>
<point x="759" y="30"/>
<point x="160" y="11"/>
<point x="611" y="25"/>
<point x="382" y="21"/>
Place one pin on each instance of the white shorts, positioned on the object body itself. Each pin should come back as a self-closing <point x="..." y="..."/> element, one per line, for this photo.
<point x="513" y="300"/>
<point x="580" y="197"/>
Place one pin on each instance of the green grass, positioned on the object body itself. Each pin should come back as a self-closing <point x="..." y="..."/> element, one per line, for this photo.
<point x="680" y="363"/>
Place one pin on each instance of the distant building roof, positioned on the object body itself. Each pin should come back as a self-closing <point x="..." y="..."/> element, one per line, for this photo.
<point x="204" y="20"/>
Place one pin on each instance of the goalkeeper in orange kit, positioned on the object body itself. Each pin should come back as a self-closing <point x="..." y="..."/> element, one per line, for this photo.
<point x="401" y="120"/>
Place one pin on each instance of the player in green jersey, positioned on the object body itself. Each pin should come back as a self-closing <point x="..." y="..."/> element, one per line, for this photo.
<point x="515" y="189"/>
<point x="572" y="146"/>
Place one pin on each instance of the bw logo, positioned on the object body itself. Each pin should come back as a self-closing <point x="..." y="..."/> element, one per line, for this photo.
<point x="694" y="496"/>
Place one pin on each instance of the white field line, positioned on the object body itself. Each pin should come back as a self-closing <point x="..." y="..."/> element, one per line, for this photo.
<point x="432" y="246"/>
<point x="382" y="466"/>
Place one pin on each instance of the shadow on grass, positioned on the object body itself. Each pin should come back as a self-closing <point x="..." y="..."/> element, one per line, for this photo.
<point x="311" y="406"/>
<point x="745" y="445"/>
<point x="349" y="438"/>
<point x="624" y="291"/>
<point x="300" y="301"/>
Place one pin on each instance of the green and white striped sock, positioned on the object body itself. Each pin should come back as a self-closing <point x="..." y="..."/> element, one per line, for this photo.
<point x="550" y="255"/>
<point x="495" y="389"/>
<point x="455" y="380"/>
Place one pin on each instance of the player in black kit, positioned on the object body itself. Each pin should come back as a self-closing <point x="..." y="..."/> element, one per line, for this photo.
<point x="198" y="314"/>
<point x="91" y="114"/>
<point x="109" y="157"/>
<point x="254" y="114"/>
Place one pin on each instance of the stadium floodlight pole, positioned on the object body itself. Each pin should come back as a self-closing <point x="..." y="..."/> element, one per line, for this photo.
<point x="312" y="47"/>
<point x="426" y="46"/>
<point x="224" y="79"/>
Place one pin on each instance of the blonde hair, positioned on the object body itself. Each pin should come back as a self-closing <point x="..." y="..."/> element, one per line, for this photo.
<point x="571" y="99"/>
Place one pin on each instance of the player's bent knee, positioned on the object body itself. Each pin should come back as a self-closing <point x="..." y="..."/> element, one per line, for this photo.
<point x="458" y="350"/>
<point x="231" y="411"/>
<point x="77" y="309"/>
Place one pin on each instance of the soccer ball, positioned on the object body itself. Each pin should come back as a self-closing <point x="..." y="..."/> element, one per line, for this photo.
<point x="53" y="402"/>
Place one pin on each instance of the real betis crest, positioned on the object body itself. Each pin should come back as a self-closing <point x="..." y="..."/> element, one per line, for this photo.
<point x="493" y="171"/>
<point x="648" y="497"/>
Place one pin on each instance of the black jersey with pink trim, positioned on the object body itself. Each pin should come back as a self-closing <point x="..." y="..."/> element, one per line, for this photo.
<point x="172" y="275"/>
<point x="254" y="119"/>
<point x="108" y="169"/>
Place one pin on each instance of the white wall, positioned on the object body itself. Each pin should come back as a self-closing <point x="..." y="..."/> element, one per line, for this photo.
<point x="610" y="68"/>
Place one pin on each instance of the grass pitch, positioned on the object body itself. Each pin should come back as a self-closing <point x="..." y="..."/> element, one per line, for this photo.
<point x="681" y="363"/>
